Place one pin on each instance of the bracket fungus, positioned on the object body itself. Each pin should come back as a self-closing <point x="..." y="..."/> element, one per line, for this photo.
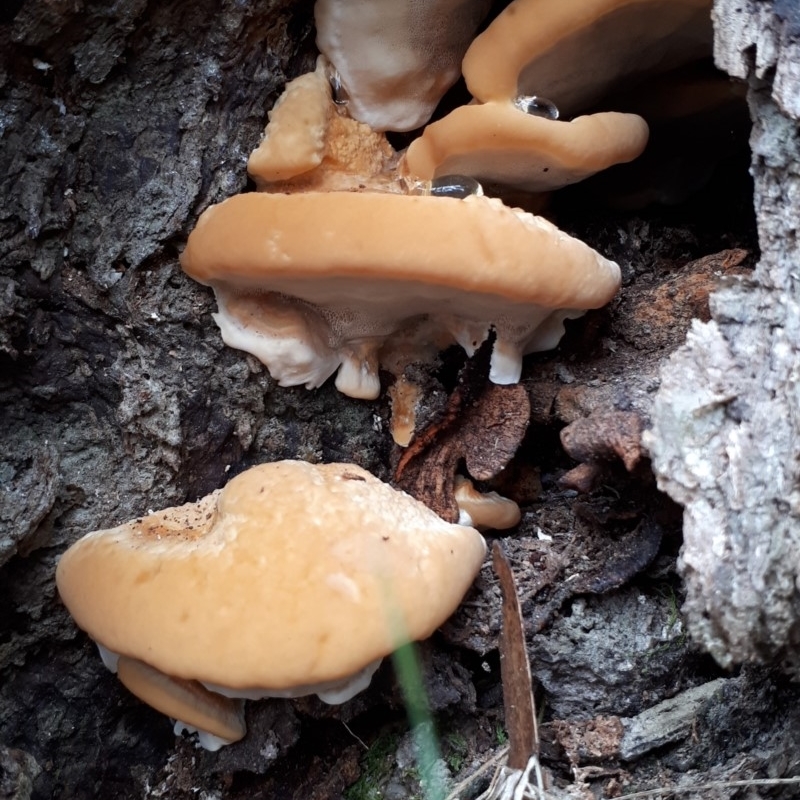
<point x="396" y="58"/>
<point x="484" y="510"/>
<point x="424" y="270"/>
<point x="293" y="579"/>
<point x="311" y="144"/>
<point x="294" y="139"/>
<point x="498" y="143"/>
<point x="576" y="52"/>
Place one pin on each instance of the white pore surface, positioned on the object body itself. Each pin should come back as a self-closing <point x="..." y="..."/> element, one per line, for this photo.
<point x="110" y="659"/>
<point x="208" y="741"/>
<point x="331" y="692"/>
<point x="305" y="331"/>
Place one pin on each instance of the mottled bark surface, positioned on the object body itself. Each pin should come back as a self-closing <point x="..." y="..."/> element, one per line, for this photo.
<point x="118" y="125"/>
<point x="726" y="433"/>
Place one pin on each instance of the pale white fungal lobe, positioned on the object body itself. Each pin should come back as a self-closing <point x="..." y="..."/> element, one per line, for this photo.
<point x="396" y="58"/>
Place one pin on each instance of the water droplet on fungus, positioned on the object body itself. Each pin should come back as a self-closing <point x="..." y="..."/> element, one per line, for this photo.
<point x="537" y="106"/>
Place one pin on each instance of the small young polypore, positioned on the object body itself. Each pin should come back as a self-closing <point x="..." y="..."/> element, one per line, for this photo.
<point x="484" y="510"/>
<point x="498" y="143"/>
<point x="313" y="283"/>
<point x="396" y="58"/>
<point x="311" y="144"/>
<point x="574" y="53"/>
<point x="294" y="139"/>
<point x="293" y="579"/>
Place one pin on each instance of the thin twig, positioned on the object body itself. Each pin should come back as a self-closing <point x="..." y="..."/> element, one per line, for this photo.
<point x="357" y="738"/>
<point x="515" y="670"/>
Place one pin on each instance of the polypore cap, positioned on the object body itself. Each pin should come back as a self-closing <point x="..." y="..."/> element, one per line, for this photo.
<point x="293" y="574"/>
<point x="396" y="58"/>
<point x="294" y="139"/>
<point x="575" y="52"/>
<point x="496" y="142"/>
<point x="221" y="719"/>
<point x="434" y="264"/>
<point x="310" y="144"/>
<point x="484" y="510"/>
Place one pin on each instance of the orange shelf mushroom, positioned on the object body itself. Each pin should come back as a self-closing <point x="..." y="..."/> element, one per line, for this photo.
<point x="497" y="143"/>
<point x="575" y="52"/>
<point x="384" y="278"/>
<point x="487" y="510"/>
<point x="311" y="144"/>
<point x="294" y="579"/>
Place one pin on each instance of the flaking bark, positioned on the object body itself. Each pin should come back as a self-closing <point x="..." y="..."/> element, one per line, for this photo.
<point x="726" y="429"/>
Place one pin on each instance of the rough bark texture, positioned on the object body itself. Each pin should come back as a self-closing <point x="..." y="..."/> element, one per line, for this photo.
<point x="119" y="124"/>
<point x="726" y="429"/>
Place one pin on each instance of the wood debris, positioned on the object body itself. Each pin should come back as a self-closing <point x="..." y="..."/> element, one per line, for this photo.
<point x="481" y="427"/>
<point x="601" y="438"/>
<point x="522" y="776"/>
<point x="515" y="669"/>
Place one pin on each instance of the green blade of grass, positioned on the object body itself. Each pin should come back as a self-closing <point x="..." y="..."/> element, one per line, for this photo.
<point x="426" y="742"/>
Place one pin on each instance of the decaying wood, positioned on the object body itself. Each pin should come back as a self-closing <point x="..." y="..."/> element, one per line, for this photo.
<point x="520" y="712"/>
<point x="605" y="436"/>
<point x="596" y="440"/>
<point x="726" y="429"/>
<point x="482" y="425"/>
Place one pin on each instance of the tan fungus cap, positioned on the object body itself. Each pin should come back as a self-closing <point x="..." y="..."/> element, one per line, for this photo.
<point x="294" y="139"/>
<point x="311" y="144"/>
<point x="497" y="143"/>
<point x="318" y="283"/>
<point x="484" y="510"/>
<point x="475" y="245"/>
<point x="292" y="574"/>
<point x="188" y="701"/>
<point x="573" y="53"/>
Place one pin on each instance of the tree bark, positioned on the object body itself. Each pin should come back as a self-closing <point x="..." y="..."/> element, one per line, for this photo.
<point x="726" y="430"/>
<point x="120" y="123"/>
